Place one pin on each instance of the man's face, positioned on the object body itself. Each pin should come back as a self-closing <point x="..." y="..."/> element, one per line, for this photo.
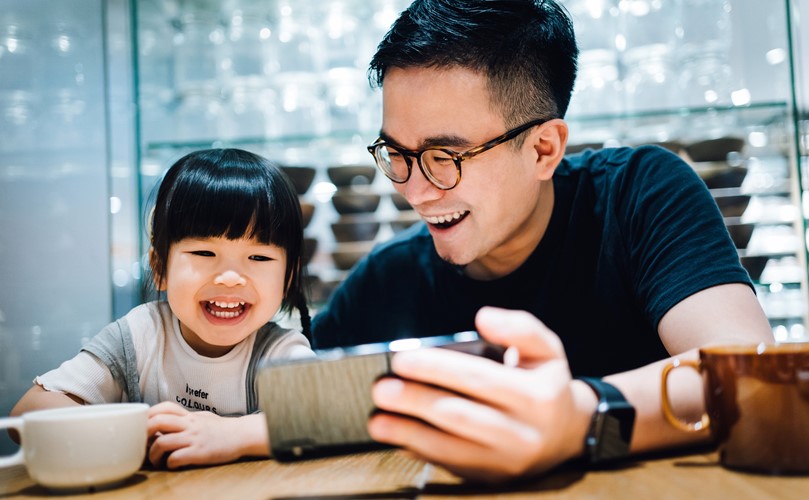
<point x="489" y="221"/>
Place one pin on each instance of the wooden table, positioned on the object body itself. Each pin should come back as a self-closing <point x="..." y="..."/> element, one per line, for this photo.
<point x="391" y="475"/>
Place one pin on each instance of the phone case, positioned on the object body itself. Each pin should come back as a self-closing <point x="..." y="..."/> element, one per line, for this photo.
<point x="320" y="406"/>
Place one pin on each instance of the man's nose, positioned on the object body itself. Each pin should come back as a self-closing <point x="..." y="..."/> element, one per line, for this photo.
<point x="418" y="189"/>
<point x="230" y="278"/>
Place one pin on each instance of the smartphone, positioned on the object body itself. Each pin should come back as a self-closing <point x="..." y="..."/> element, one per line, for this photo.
<point x="320" y="406"/>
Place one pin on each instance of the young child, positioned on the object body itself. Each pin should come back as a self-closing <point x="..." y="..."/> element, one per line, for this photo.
<point x="226" y="243"/>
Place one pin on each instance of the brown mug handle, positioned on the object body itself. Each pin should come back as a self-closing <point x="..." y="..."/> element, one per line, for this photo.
<point x="668" y="412"/>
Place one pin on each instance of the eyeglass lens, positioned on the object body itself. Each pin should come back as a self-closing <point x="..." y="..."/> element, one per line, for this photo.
<point x="439" y="166"/>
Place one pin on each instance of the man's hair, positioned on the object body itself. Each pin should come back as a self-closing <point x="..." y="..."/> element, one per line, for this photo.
<point x="525" y="48"/>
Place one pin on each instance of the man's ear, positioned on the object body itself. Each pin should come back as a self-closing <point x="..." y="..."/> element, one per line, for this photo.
<point x="154" y="263"/>
<point x="549" y="144"/>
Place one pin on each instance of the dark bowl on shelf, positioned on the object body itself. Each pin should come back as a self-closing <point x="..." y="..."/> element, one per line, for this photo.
<point x="400" y="202"/>
<point x="673" y="146"/>
<point x="404" y="221"/>
<point x="354" y="202"/>
<point x="714" y="149"/>
<point x="320" y="290"/>
<point x="351" y="175"/>
<point x="754" y="264"/>
<point x="734" y="205"/>
<point x="301" y="177"/>
<point x="309" y="248"/>
<point x="740" y="234"/>
<point x="307" y="211"/>
<point x="578" y="148"/>
<point x="347" y="255"/>
<point x="729" y="177"/>
<point x="355" y="230"/>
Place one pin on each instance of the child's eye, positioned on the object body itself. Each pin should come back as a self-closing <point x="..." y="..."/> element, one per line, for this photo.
<point x="260" y="258"/>
<point x="203" y="253"/>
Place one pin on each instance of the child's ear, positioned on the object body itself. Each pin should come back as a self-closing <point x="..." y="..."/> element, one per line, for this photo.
<point x="154" y="263"/>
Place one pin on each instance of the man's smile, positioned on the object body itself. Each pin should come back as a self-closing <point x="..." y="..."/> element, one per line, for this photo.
<point x="447" y="220"/>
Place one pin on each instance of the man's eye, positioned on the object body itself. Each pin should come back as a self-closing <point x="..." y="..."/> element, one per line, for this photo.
<point x="260" y="258"/>
<point x="203" y="253"/>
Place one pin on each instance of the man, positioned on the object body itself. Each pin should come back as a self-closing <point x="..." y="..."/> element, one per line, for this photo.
<point x="622" y="253"/>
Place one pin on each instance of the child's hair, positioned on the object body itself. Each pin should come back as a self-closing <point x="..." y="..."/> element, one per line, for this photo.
<point x="234" y="194"/>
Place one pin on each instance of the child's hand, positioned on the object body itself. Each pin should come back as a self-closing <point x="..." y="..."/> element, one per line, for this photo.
<point x="178" y="437"/>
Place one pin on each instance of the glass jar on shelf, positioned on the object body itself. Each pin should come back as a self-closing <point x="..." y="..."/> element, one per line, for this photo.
<point x="298" y="46"/>
<point x="302" y="106"/>
<point x="249" y="57"/>
<point x="347" y="94"/>
<point x="155" y="53"/>
<point x="20" y="113"/>
<point x="18" y="53"/>
<point x="599" y="88"/>
<point x="341" y="27"/>
<point x="595" y="23"/>
<point x="199" y="115"/>
<point x="251" y="114"/>
<point x="704" y="28"/>
<point x="198" y="48"/>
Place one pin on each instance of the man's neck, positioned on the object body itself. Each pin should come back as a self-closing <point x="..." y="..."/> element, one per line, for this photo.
<point x="514" y="253"/>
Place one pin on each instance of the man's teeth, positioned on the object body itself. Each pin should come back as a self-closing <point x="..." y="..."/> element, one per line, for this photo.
<point x="444" y="218"/>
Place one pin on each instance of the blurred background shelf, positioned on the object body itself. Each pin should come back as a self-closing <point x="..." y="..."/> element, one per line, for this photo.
<point x="99" y="97"/>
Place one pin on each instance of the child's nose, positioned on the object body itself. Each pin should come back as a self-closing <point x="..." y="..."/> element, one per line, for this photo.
<point x="230" y="278"/>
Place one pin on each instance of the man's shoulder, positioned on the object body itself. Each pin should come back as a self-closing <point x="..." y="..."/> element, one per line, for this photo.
<point x="611" y="168"/>
<point x="624" y="156"/>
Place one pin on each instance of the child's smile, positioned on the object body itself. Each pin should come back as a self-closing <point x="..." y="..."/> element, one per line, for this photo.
<point x="225" y="310"/>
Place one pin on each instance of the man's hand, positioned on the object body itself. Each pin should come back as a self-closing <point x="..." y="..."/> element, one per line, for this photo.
<point x="178" y="437"/>
<point x="481" y="419"/>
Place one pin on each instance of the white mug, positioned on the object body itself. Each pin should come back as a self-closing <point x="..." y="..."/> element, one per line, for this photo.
<point x="80" y="446"/>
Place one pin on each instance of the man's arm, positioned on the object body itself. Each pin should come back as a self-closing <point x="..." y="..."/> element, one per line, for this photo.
<point x="487" y="421"/>
<point x="717" y="315"/>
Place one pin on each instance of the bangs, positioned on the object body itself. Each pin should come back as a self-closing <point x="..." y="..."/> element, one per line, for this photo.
<point x="226" y="196"/>
<point x="229" y="208"/>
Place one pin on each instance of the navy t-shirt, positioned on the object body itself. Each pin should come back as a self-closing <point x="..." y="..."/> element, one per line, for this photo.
<point x="633" y="232"/>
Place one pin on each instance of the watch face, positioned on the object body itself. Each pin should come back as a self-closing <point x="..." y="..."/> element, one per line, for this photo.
<point x="616" y="433"/>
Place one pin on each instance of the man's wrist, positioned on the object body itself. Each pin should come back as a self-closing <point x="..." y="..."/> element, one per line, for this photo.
<point x="610" y="434"/>
<point x="586" y="402"/>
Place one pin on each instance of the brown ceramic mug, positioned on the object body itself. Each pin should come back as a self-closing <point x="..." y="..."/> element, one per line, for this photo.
<point x="757" y="403"/>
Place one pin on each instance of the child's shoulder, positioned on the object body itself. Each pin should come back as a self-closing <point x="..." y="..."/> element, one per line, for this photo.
<point x="146" y="322"/>
<point x="149" y="315"/>
<point x="274" y="340"/>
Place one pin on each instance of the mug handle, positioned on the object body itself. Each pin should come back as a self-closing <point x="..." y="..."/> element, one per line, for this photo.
<point x="668" y="412"/>
<point x="17" y="458"/>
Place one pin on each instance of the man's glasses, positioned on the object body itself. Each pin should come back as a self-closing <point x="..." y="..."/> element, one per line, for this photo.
<point x="442" y="167"/>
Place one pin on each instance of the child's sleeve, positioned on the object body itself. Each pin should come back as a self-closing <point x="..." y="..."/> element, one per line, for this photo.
<point x="84" y="376"/>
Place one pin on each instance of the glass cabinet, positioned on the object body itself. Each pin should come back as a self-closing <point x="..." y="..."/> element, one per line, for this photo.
<point x="712" y="80"/>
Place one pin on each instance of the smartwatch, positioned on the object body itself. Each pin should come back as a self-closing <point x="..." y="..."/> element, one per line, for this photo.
<point x="610" y="431"/>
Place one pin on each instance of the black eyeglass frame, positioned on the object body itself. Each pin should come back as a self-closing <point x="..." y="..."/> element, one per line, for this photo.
<point x="457" y="158"/>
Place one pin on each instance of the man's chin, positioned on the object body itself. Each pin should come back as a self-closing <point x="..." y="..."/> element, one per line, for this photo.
<point x="454" y="261"/>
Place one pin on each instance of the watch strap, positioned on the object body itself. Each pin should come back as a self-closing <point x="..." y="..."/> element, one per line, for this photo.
<point x="610" y="432"/>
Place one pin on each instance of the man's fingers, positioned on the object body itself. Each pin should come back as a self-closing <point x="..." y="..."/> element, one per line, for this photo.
<point x="468" y="419"/>
<point x="521" y="330"/>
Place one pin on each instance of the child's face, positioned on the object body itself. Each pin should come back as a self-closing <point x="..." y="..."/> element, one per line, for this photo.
<point x="223" y="290"/>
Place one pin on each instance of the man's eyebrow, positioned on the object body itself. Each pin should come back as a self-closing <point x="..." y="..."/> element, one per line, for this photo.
<point x="451" y="141"/>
